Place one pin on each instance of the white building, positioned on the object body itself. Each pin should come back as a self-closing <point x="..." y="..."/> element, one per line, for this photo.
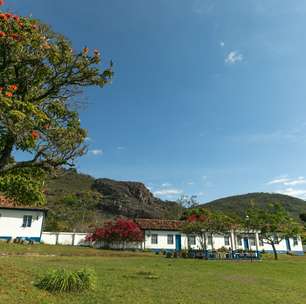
<point x="20" y="222"/>
<point x="167" y="235"/>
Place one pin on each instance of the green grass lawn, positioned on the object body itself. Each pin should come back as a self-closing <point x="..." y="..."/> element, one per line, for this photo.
<point x="127" y="277"/>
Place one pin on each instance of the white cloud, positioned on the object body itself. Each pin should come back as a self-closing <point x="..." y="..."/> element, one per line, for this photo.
<point x="88" y="139"/>
<point x="300" y="193"/>
<point x="166" y="185"/>
<point x="168" y="192"/>
<point x="280" y="180"/>
<point x="96" y="152"/>
<point x="222" y="44"/>
<point x="120" y="148"/>
<point x="289" y="186"/>
<point x="190" y="183"/>
<point x="233" y="57"/>
<point x="288" y="181"/>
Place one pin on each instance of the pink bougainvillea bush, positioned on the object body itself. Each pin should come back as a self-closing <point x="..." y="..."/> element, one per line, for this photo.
<point x="120" y="230"/>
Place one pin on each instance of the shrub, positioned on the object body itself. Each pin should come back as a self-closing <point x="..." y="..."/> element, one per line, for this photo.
<point x="169" y="254"/>
<point x="184" y="254"/>
<point x="63" y="280"/>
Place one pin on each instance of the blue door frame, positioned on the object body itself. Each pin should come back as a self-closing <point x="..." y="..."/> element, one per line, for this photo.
<point x="178" y="242"/>
<point x="246" y="243"/>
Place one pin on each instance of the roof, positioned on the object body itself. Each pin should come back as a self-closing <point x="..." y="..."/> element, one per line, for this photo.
<point x="157" y="224"/>
<point x="6" y="203"/>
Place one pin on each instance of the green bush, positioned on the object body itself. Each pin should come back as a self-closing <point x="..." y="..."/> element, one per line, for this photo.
<point x="168" y="254"/>
<point x="63" y="280"/>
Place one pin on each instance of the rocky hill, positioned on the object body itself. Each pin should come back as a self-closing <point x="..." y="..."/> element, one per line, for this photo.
<point x="78" y="201"/>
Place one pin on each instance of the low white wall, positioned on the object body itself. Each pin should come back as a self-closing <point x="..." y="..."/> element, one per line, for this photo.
<point x="64" y="238"/>
<point x="123" y="245"/>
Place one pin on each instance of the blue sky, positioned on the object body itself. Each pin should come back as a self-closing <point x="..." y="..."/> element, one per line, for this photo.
<point x="209" y="96"/>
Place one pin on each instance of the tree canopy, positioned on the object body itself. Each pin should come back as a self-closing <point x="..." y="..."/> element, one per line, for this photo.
<point x="203" y="222"/>
<point x="273" y="223"/>
<point x="40" y="77"/>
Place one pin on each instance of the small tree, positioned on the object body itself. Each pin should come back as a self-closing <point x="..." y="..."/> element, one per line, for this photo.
<point x="273" y="223"/>
<point x="186" y="201"/>
<point x="202" y="222"/>
<point x="118" y="231"/>
<point x="197" y="223"/>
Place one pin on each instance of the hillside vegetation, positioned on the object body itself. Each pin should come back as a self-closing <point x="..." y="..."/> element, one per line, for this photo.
<point x="238" y="204"/>
<point x="79" y="202"/>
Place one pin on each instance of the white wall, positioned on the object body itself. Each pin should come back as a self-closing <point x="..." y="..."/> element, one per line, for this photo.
<point x="64" y="238"/>
<point x="162" y="237"/>
<point x="11" y="221"/>
<point x="218" y="242"/>
<point x="71" y="238"/>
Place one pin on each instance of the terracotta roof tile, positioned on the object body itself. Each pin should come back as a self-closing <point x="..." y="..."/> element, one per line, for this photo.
<point x="156" y="224"/>
<point x="8" y="203"/>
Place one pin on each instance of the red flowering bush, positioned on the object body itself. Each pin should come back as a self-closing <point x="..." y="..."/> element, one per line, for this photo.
<point x="120" y="230"/>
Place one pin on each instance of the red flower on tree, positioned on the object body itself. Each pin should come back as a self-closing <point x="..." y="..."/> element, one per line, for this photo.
<point x="35" y="134"/>
<point x="13" y="87"/>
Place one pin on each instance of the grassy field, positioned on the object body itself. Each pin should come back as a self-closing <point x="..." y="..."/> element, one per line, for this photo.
<point x="127" y="277"/>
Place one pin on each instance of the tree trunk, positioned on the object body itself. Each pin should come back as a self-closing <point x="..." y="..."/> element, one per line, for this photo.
<point x="274" y="251"/>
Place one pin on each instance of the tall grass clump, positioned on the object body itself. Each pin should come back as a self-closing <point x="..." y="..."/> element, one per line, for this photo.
<point x="63" y="280"/>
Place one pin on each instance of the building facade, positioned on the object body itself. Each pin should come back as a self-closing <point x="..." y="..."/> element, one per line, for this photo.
<point x="20" y="222"/>
<point x="167" y="235"/>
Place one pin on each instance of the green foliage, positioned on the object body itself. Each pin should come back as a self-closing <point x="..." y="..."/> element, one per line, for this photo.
<point x="73" y="212"/>
<point x="274" y="224"/>
<point x="63" y="280"/>
<point x="39" y="75"/>
<point x="25" y="185"/>
<point x="203" y="222"/>
<point x="238" y="205"/>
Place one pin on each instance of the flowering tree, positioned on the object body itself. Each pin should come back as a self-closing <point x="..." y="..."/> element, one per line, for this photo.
<point x="118" y="231"/>
<point x="201" y="222"/>
<point x="39" y="75"/>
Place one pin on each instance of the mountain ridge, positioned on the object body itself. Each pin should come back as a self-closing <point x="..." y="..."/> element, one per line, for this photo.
<point x="78" y="201"/>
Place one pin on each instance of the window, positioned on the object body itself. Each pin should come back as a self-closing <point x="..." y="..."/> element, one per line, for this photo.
<point x="226" y="240"/>
<point x="295" y="241"/>
<point x="209" y="240"/>
<point x="239" y="240"/>
<point x="27" y="221"/>
<point x="154" y="239"/>
<point x="252" y="241"/>
<point x="261" y="243"/>
<point x="170" y="239"/>
<point x="191" y="240"/>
